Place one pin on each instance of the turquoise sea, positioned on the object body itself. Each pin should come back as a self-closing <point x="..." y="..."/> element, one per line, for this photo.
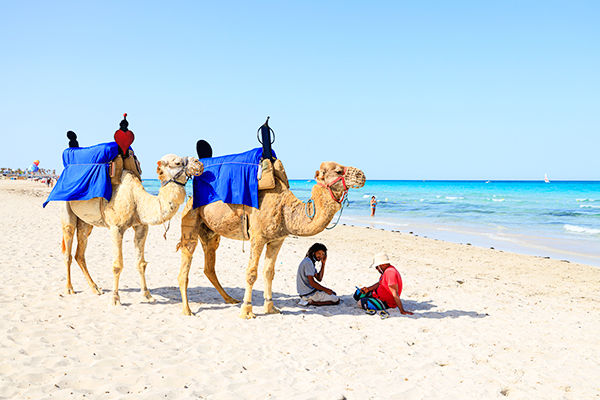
<point x="560" y="219"/>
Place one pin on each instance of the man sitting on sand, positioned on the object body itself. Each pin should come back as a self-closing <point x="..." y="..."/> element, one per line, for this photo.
<point x="385" y="293"/>
<point x="310" y="291"/>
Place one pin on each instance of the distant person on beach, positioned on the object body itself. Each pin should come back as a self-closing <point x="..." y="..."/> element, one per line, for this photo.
<point x="385" y="293"/>
<point x="312" y="292"/>
<point x="373" y="205"/>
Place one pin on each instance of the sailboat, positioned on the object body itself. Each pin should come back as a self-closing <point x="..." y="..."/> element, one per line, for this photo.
<point x="546" y="178"/>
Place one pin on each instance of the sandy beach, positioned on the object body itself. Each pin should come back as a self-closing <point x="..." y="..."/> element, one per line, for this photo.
<point x="486" y="324"/>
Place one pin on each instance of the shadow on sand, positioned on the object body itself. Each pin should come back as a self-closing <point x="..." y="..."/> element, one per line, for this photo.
<point x="289" y="304"/>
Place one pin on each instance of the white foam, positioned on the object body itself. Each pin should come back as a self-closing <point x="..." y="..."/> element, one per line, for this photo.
<point x="497" y="199"/>
<point x="588" y="206"/>
<point x="454" y="197"/>
<point x="585" y="200"/>
<point x="582" y="229"/>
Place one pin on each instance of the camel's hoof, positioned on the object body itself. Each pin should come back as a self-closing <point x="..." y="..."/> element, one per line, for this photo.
<point x="246" y="312"/>
<point x="247" y="315"/>
<point x="116" y="300"/>
<point x="97" y="290"/>
<point x="187" y="311"/>
<point x="70" y="290"/>
<point x="271" y="309"/>
<point x="231" y="300"/>
<point x="149" y="297"/>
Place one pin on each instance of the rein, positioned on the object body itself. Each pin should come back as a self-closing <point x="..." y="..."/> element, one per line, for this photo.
<point x="329" y="185"/>
<point x="342" y="200"/>
<point x="311" y="201"/>
<point x="178" y="174"/>
<point x="345" y="203"/>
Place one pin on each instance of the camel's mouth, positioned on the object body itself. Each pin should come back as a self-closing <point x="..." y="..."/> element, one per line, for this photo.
<point x="194" y="167"/>
<point x="355" y="178"/>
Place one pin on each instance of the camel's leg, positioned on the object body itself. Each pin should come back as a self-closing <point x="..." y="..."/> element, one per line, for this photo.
<point x="255" y="251"/>
<point x="210" y="249"/>
<point x="67" y="244"/>
<point x="83" y="232"/>
<point x="188" y="243"/>
<point x="139" y="240"/>
<point x="116" y="234"/>
<point x="69" y="223"/>
<point x="269" y="273"/>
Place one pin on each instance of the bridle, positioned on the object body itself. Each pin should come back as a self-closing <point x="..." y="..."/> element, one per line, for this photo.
<point x="178" y="174"/>
<point x="329" y="185"/>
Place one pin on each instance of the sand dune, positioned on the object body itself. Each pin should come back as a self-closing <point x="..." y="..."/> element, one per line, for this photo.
<point x="487" y="324"/>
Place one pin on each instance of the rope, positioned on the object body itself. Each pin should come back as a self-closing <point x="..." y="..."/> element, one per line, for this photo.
<point x="166" y="229"/>
<point x="344" y="203"/>
<point x="311" y="201"/>
<point x="163" y="224"/>
<point x="242" y="222"/>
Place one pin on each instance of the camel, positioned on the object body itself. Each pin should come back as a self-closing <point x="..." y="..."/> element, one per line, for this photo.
<point x="129" y="206"/>
<point x="279" y="214"/>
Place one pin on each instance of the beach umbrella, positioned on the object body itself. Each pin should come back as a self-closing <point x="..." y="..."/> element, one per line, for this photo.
<point x="36" y="162"/>
<point x="33" y="168"/>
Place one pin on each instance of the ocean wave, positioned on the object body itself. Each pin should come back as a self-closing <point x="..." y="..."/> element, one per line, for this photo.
<point x="582" y="229"/>
<point x="470" y="211"/>
<point x="564" y="213"/>
<point x="454" y="198"/>
<point x="497" y="199"/>
<point x="588" y="206"/>
<point x="585" y="200"/>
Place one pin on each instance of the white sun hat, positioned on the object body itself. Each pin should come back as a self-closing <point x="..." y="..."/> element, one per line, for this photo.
<point x="380" y="259"/>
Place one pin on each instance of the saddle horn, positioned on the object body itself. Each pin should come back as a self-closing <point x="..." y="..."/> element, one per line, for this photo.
<point x="203" y="149"/>
<point x="72" y="139"/>
<point x="265" y="139"/>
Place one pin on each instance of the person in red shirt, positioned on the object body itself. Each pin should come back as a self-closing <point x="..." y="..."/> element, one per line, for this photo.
<point x="386" y="292"/>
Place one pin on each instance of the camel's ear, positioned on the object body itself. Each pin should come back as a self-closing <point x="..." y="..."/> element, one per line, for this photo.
<point x="317" y="173"/>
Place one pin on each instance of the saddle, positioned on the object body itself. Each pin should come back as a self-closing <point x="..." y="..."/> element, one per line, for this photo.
<point x="129" y="163"/>
<point x="269" y="170"/>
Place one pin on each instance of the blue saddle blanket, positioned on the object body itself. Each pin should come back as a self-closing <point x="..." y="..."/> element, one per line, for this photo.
<point x="86" y="173"/>
<point x="232" y="179"/>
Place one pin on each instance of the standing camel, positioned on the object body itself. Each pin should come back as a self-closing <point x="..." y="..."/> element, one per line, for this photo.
<point x="129" y="206"/>
<point x="279" y="214"/>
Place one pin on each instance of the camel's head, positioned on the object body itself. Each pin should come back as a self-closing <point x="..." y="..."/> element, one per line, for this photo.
<point x="338" y="178"/>
<point x="172" y="168"/>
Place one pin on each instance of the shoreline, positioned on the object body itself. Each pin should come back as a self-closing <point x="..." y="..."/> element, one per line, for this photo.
<point x="500" y="238"/>
<point x="489" y="323"/>
<point x="528" y="240"/>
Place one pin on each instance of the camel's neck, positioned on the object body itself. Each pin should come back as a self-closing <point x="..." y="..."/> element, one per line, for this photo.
<point x="299" y="223"/>
<point x="154" y="210"/>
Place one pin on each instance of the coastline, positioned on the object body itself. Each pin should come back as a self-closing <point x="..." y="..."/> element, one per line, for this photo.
<point x="487" y="323"/>
<point x="499" y="238"/>
<point x="539" y="232"/>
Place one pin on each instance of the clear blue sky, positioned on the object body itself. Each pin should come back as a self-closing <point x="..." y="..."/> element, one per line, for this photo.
<point x="402" y="90"/>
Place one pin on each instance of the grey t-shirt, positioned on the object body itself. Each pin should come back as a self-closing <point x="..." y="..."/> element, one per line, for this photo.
<point x="305" y="269"/>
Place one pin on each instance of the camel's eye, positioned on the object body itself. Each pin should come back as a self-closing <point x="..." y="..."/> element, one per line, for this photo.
<point x="178" y="163"/>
